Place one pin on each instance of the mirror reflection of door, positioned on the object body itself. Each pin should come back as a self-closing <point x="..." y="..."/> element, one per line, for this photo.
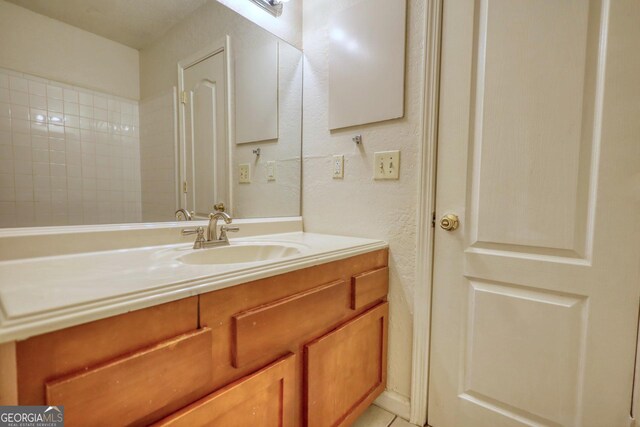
<point x="205" y="178"/>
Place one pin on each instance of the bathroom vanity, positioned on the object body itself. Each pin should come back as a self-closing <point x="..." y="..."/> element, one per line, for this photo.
<point x="296" y="340"/>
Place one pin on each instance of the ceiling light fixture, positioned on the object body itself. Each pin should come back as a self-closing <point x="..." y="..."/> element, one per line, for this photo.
<point x="274" y="7"/>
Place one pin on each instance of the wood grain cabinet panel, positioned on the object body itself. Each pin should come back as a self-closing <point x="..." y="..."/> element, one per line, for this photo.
<point x="8" y="375"/>
<point x="66" y="351"/>
<point x="369" y="287"/>
<point x="265" y="398"/>
<point x="137" y="388"/>
<point x="272" y="328"/>
<point x="218" y="308"/>
<point x="346" y="369"/>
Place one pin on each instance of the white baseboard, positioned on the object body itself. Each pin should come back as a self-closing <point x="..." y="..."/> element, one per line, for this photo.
<point x="395" y="403"/>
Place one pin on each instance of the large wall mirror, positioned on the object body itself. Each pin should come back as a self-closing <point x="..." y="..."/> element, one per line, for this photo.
<point x="115" y="112"/>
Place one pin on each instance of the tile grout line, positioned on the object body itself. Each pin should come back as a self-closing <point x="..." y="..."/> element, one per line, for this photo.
<point x="392" y="421"/>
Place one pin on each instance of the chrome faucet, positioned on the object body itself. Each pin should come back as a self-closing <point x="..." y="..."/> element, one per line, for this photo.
<point x="212" y="230"/>
<point x="212" y="238"/>
<point x="183" y="214"/>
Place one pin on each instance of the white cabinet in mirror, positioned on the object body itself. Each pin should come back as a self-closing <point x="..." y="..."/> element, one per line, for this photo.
<point x="91" y="131"/>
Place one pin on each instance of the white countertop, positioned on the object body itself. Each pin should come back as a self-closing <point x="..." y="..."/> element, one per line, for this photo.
<point x="39" y="295"/>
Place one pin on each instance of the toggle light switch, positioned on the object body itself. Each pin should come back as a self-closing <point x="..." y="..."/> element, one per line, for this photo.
<point x="386" y="165"/>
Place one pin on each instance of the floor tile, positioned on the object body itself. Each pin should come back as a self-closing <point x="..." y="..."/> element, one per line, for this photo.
<point x="375" y="417"/>
<point x="399" y="422"/>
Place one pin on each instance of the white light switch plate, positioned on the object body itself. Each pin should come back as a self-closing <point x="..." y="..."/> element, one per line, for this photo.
<point x="386" y="165"/>
<point x="271" y="170"/>
<point x="245" y="173"/>
<point x="338" y="166"/>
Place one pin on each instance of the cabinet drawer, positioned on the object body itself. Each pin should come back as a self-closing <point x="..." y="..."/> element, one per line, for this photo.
<point x="369" y="287"/>
<point x="265" y="398"/>
<point x="272" y="328"/>
<point x="137" y="388"/>
<point x="64" y="352"/>
<point x="346" y="369"/>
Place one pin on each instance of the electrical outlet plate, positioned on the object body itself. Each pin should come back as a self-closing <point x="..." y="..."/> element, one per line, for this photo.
<point x="245" y="173"/>
<point x="271" y="170"/>
<point x="338" y="166"/>
<point x="386" y="165"/>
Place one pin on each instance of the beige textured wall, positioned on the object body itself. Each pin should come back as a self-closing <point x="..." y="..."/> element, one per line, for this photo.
<point x="32" y="43"/>
<point x="358" y="205"/>
<point x="159" y="177"/>
<point x="264" y="198"/>
<point x="207" y="25"/>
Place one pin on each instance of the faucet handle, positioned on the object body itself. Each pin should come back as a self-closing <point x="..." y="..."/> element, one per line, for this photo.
<point x="200" y="240"/>
<point x="225" y="228"/>
<point x="190" y="231"/>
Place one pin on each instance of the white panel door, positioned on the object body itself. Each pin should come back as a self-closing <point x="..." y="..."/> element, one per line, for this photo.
<point x="205" y="151"/>
<point x="535" y="299"/>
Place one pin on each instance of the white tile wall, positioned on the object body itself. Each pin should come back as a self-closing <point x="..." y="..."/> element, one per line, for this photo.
<point x="157" y="157"/>
<point x="68" y="155"/>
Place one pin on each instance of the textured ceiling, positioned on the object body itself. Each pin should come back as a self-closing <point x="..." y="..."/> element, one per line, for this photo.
<point x="135" y="23"/>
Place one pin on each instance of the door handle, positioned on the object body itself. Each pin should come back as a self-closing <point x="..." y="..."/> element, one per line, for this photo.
<point x="449" y="222"/>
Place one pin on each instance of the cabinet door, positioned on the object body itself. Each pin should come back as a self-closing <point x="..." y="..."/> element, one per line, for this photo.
<point x="346" y="369"/>
<point x="265" y="398"/>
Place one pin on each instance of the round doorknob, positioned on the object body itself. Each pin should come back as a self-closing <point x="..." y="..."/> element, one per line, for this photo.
<point x="449" y="222"/>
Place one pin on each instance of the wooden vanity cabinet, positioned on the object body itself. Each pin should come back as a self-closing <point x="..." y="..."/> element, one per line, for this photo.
<point x="302" y="348"/>
<point x="258" y="322"/>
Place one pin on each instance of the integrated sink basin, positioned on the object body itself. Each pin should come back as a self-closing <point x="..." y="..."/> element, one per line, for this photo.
<point x="239" y="253"/>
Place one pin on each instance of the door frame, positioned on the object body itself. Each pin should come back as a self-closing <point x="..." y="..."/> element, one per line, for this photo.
<point x="223" y="46"/>
<point x="426" y="216"/>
